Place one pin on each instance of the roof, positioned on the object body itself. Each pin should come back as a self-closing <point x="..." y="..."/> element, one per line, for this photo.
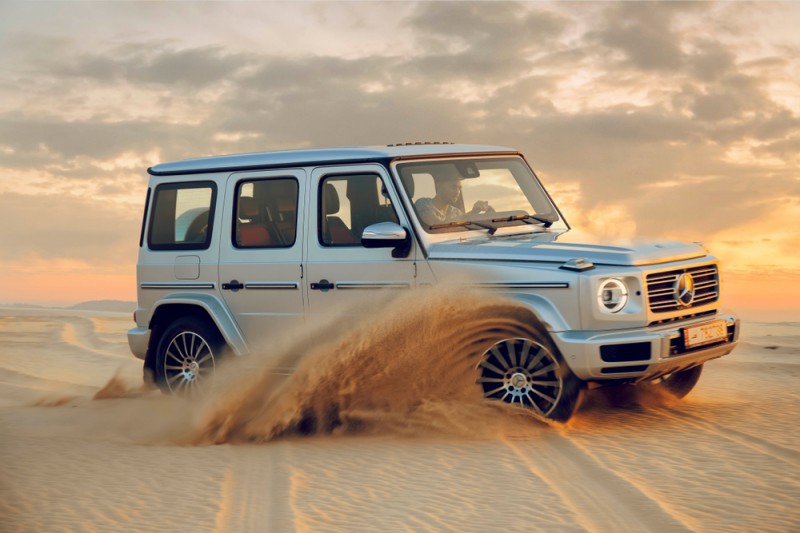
<point x="317" y="156"/>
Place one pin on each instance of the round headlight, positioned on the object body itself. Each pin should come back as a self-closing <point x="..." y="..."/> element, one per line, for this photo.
<point x="612" y="295"/>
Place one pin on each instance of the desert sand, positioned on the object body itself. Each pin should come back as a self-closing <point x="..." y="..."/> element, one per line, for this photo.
<point x="84" y="448"/>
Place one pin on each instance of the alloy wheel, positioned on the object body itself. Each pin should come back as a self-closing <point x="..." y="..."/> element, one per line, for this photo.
<point x="188" y="363"/>
<point x="522" y="372"/>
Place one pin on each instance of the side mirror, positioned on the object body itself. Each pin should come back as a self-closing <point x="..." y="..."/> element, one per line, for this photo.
<point x="387" y="235"/>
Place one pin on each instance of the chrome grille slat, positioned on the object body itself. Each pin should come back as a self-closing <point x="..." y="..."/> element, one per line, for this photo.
<point x="664" y="279"/>
<point x="664" y="305"/>
<point x="709" y="296"/>
<point x="661" y="288"/>
<point x="661" y="292"/>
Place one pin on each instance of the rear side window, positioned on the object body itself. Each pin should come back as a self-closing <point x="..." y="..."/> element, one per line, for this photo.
<point x="182" y="216"/>
<point x="266" y="213"/>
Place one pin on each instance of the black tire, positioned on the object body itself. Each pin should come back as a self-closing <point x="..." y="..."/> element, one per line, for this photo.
<point x="530" y="372"/>
<point x="188" y="352"/>
<point x="680" y="383"/>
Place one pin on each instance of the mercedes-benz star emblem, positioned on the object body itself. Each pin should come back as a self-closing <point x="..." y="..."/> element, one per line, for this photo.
<point x="684" y="289"/>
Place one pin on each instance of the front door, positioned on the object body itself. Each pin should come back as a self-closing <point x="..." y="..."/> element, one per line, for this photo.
<point x="260" y="262"/>
<point x="341" y="275"/>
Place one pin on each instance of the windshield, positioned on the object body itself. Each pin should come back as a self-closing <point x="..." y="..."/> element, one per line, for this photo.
<point x="476" y="194"/>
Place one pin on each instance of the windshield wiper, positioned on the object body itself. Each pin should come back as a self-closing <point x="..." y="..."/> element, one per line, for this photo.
<point x="459" y="223"/>
<point x="528" y="219"/>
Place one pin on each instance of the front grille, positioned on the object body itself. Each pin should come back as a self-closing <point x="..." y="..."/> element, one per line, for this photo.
<point x="663" y="297"/>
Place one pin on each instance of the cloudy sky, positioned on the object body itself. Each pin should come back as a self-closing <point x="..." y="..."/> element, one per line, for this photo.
<point x="674" y="120"/>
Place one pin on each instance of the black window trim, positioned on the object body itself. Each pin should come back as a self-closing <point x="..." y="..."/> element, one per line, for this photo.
<point x="144" y="216"/>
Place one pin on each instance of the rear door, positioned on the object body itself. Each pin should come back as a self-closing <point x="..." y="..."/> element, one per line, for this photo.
<point x="261" y="252"/>
<point x="340" y="274"/>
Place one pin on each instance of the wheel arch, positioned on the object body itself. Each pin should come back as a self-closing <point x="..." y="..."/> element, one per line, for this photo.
<point x="548" y="315"/>
<point x="205" y="306"/>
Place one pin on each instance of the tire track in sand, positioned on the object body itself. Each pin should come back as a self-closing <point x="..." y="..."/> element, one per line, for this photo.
<point x="80" y="334"/>
<point x="757" y="444"/>
<point x="256" y="489"/>
<point x="600" y="499"/>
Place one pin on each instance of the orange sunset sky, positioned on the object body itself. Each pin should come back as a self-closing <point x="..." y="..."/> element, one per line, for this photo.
<point x="662" y="120"/>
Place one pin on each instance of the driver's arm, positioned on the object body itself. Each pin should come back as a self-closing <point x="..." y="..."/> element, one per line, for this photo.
<point x="481" y="206"/>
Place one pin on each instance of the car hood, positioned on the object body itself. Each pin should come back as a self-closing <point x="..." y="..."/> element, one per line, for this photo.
<point x="562" y="247"/>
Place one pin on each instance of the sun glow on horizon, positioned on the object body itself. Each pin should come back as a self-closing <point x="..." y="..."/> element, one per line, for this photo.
<point x="663" y="120"/>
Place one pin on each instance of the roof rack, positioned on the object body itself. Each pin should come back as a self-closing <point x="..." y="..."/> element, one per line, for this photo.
<point x="417" y="143"/>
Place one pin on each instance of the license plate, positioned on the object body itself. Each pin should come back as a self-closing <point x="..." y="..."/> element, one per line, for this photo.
<point x="705" y="333"/>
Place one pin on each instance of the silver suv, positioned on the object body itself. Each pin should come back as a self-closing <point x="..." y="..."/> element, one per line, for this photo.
<point x="235" y="249"/>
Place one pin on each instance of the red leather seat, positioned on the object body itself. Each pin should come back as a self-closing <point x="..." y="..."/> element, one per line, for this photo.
<point x="251" y="233"/>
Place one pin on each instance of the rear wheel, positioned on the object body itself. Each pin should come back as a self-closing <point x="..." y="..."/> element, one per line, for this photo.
<point x="680" y="383"/>
<point x="529" y="372"/>
<point x="187" y="356"/>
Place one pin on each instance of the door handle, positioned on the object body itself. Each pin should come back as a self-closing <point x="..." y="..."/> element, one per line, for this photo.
<point x="322" y="285"/>
<point x="233" y="285"/>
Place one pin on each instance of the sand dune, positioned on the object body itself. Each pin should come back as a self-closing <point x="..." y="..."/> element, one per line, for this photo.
<point x="727" y="458"/>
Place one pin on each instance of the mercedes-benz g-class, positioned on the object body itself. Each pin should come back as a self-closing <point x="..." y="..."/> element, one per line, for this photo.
<point x="237" y="248"/>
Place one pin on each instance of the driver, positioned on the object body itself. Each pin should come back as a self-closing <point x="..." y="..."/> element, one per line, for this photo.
<point x="443" y="207"/>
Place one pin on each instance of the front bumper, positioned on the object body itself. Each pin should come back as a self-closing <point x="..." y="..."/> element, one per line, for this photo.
<point x="642" y="353"/>
<point x="139" y="340"/>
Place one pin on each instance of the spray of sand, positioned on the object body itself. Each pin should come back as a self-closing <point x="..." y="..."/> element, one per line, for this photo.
<point x="53" y="400"/>
<point x="408" y="367"/>
<point x="117" y="387"/>
<point x="402" y="365"/>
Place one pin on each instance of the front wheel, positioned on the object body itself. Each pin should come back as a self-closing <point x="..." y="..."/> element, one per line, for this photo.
<point x="187" y="355"/>
<point x="529" y="372"/>
<point x="680" y="383"/>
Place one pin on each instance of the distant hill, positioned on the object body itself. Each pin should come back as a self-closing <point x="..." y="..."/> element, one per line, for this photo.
<point x="23" y="306"/>
<point x="114" y="306"/>
<point x="111" y="306"/>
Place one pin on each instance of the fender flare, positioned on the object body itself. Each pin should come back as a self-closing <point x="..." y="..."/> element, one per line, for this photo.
<point x="216" y="310"/>
<point x="547" y="313"/>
